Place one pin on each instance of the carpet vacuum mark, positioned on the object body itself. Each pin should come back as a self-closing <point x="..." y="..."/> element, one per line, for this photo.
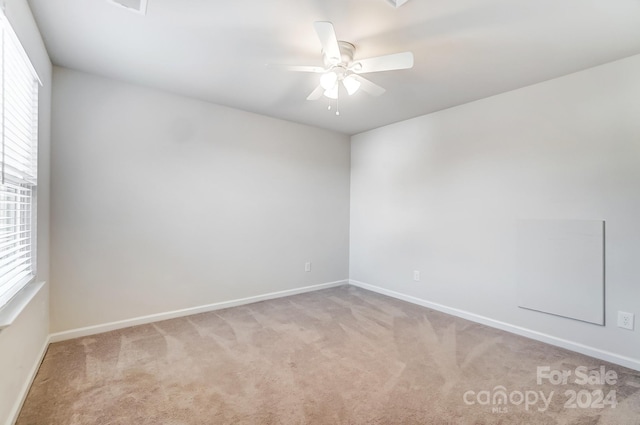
<point x="337" y="356"/>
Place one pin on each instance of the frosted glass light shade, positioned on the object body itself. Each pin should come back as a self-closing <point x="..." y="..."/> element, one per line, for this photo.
<point x="351" y="84"/>
<point x="332" y="93"/>
<point x="328" y="80"/>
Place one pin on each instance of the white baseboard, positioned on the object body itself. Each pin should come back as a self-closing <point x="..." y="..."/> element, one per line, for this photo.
<point x="24" y="391"/>
<point x="106" y="327"/>
<point x="91" y="330"/>
<point x="538" y="336"/>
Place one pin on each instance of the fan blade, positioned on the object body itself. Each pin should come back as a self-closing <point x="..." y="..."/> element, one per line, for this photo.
<point x="328" y="40"/>
<point x="297" y="68"/>
<point x="316" y="94"/>
<point x="384" y="63"/>
<point x="366" y="85"/>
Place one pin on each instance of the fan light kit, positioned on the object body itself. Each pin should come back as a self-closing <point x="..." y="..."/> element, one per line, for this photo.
<point x="341" y="70"/>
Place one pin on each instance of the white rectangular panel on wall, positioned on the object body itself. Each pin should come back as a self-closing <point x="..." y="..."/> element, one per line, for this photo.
<point x="560" y="268"/>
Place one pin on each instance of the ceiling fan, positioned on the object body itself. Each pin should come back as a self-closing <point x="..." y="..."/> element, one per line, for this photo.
<point x="341" y="69"/>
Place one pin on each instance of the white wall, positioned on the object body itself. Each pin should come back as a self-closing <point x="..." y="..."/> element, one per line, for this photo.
<point x="162" y="202"/>
<point x="441" y="194"/>
<point x="22" y="343"/>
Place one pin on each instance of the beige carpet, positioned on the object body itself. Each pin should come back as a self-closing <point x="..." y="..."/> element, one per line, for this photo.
<point x="338" y="356"/>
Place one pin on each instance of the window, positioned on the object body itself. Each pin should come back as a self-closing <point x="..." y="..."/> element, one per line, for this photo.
<point x="18" y="164"/>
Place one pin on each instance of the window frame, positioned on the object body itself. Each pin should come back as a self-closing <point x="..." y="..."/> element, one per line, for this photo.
<point x="18" y="165"/>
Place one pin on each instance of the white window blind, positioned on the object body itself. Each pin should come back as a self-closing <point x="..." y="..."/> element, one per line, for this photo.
<point x="18" y="164"/>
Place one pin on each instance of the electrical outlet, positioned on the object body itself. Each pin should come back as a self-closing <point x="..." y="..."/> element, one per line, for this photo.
<point x="307" y="266"/>
<point x="416" y="275"/>
<point x="625" y="320"/>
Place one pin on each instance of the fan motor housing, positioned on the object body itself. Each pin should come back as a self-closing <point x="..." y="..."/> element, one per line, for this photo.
<point x="347" y="50"/>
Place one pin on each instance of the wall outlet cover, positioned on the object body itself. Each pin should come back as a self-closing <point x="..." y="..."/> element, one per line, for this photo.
<point x="625" y="320"/>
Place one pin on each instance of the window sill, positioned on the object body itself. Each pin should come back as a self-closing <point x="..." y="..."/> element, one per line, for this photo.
<point x="10" y="312"/>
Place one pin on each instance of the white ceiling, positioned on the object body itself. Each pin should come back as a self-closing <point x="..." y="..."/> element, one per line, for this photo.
<point x="217" y="50"/>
